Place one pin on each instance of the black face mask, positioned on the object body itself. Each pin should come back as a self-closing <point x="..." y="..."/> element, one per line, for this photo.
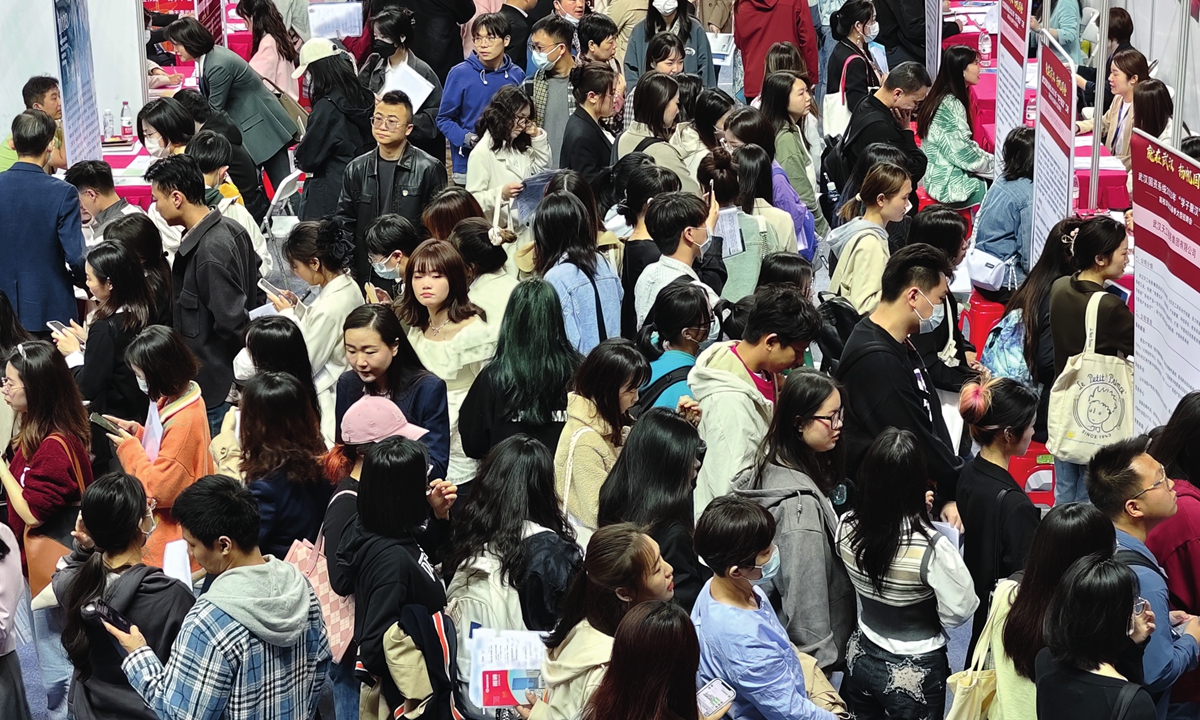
<point x="383" y="48"/>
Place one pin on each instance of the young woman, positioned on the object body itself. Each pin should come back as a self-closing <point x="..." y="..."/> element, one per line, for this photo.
<point x="1004" y="223"/>
<point x="1129" y="68"/>
<point x="911" y="584"/>
<point x="319" y="256"/>
<point x="587" y="142"/>
<point x="604" y="388"/>
<point x="679" y="321"/>
<point x="590" y="291"/>
<point x="448" y="332"/>
<point x="655" y="110"/>
<point x="524" y="387"/>
<point x="116" y="280"/>
<point x="383" y="362"/>
<point x="875" y="154"/>
<point x="164" y="127"/>
<point x="1094" y="616"/>
<point x="572" y="183"/>
<point x="787" y="268"/>
<point x="753" y="165"/>
<point x="1065" y="26"/>
<point x="860" y="247"/>
<point x="511" y="147"/>
<point x="114" y="523"/>
<point x="597" y="35"/>
<point x="281" y="451"/>
<point x="1152" y="109"/>
<point x="1099" y="253"/>
<point x="165" y="370"/>
<point x="1173" y="446"/>
<point x="748" y="126"/>
<point x="652" y="674"/>
<point x="664" y="54"/>
<point x="651" y="486"/>
<point x="798" y="478"/>
<point x="138" y="232"/>
<point x="955" y="159"/>
<point x="395" y="35"/>
<point x="645" y="183"/>
<point x="747" y="238"/>
<point x="712" y="110"/>
<point x="273" y="56"/>
<point x="339" y="126"/>
<point x="851" y="63"/>
<point x="680" y="20"/>
<point x="1002" y="518"/>
<point x="13" y="703"/>
<point x="622" y="568"/>
<point x="787" y="103"/>
<point x="685" y="138"/>
<point x="450" y="206"/>
<point x="483" y="249"/>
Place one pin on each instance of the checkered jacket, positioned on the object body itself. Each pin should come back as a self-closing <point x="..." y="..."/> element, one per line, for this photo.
<point x="220" y="671"/>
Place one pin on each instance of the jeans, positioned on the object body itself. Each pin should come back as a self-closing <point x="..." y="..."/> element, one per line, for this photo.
<point x="56" y="666"/>
<point x="346" y="689"/>
<point x="216" y="415"/>
<point x="1068" y="482"/>
<point x="826" y="52"/>
<point x="880" y="684"/>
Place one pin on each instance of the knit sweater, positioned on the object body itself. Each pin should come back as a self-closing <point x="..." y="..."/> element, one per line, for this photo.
<point x="953" y="155"/>
<point x="579" y="481"/>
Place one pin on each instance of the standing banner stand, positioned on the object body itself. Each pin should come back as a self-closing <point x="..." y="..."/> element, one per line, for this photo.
<point x="1054" y="183"/>
<point x="933" y="36"/>
<point x="1010" y="70"/>
<point x="211" y="14"/>
<point x="81" y="118"/>
<point x="120" y="59"/>
<point x="1098" y="111"/>
<point x="1166" y="213"/>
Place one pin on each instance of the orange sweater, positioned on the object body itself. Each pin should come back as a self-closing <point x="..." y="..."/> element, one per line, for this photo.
<point x="182" y="459"/>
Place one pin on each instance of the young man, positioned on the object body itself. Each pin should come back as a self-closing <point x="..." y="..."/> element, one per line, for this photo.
<point x="253" y="645"/>
<point x="242" y="171"/>
<point x="886" y="117"/>
<point x="99" y="203"/>
<point x="214" y="279"/>
<point x="735" y="383"/>
<point x="390" y="242"/>
<point x="517" y="14"/>
<point x="1132" y="488"/>
<point x="902" y="30"/>
<point x="550" y="86"/>
<point x="41" y="231"/>
<point x="471" y="85"/>
<point x="213" y="153"/>
<point x="682" y="226"/>
<point x="39" y="93"/>
<point x="393" y="178"/>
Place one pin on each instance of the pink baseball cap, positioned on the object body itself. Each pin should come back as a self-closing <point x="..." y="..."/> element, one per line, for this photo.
<point x="375" y="418"/>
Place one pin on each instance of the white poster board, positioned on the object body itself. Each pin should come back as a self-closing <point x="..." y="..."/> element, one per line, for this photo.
<point x="933" y="36"/>
<point x="335" y="20"/>
<point x="1054" y="162"/>
<point x="1010" y="70"/>
<point x="81" y="119"/>
<point x="119" y="56"/>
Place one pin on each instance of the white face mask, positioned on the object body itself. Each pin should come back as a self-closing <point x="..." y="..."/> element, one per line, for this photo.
<point x="142" y="385"/>
<point x="666" y="7"/>
<point x="571" y="19"/>
<point x="156" y="149"/>
<point x="542" y="60"/>
<point x="872" y="31"/>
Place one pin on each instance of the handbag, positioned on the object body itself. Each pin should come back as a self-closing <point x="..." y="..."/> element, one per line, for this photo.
<point x="46" y="544"/>
<point x="338" y="611"/>
<point x="975" y="687"/>
<point x="990" y="272"/>
<point x="1091" y="402"/>
<point x="835" y="113"/>
<point x="293" y="109"/>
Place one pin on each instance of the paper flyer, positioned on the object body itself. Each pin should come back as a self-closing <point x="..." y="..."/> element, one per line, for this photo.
<point x="504" y="664"/>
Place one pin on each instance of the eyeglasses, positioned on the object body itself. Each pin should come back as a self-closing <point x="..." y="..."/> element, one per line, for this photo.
<point x="486" y="39"/>
<point x="834" y="419"/>
<point x="521" y="121"/>
<point x="7" y="383"/>
<point x="388" y="123"/>
<point x="1162" y="478"/>
<point x="1140" y="606"/>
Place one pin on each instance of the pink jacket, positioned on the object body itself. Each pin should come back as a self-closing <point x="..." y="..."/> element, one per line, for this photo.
<point x="268" y="63"/>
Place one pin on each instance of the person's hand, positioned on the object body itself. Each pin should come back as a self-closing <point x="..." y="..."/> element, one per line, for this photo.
<point x="713" y="209"/>
<point x="950" y="515"/>
<point x="928" y="501"/>
<point x="689" y="409"/>
<point x="283" y="301"/>
<point x="130" y="641"/>
<point x="1179" y="617"/>
<point x="1143" y="626"/>
<point x="1033" y="22"/>
<point x="533" y="131"/>
<point x="381" y="296"/>
<point x="175" y="78"/>
<point x="81" y="535"/>
<point x="945" y="6"/>
<point x="960" y="23"/>
<point x="720" y="713"/>
<point x="973" y="361"/>
<point x="525" y="710"/>
<point x="903" y="118"/>
<point x="1080" y="82"/>
<point x="80" y="331"/>
<point x="441" y="497"/>
<point x="1193" y="628"/>
<point x="126" y="430"/>
<point x="508" y="191"/>
<point x="470" y="140"/>
<point x="66" y="342"/>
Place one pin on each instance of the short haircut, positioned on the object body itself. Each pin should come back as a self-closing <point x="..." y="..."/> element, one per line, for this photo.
<point x="35" y="89"/>
<point x="1018" y="153"/>
<point x="167" y="363"/>
<point x="194" y="37"/>
<point x="216" y="506"/>
<point x="395" y="24"/>
<point x="732" y="532"/>
<point x="169" y="118"/>
<point x="594" y="28"/>
<point x="1190" y="146"/>
<point x="783" y="311"/>
<point x="1111" y="479"/>
<point x="1120" y="25"/>
<point x="908" y="77"/>
<point x="669" y="214"/>
<point x="1131" y="62"/>
<point x="557" y="28"/>
<point x="178" y="173"/>
<point x="389" y="233"/>
<point x="91" y="175"/>
<point x="495" y="23"/>
<point x="397" y="97"/>
<point x="212" y="151"/>
<point x="32" y="132"/>
<point x="660" y="48"/>
<point x="1084" y="639"/>
<point x="195" y="104"/>
<point x="922" y="265"/>
<point x="940" y="226"/>
<point x="391" y="491"/>
<point x="654" y="93"/>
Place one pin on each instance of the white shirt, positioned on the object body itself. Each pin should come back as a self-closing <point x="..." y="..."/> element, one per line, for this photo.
<point x="657" y="276"/>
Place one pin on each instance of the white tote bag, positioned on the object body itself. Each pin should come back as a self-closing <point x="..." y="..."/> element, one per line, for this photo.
<point x="1091" y="402"/>
<point x="835" y="113"/>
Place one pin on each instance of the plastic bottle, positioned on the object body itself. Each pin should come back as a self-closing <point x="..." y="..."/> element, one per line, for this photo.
<point x="1074" y="190"/>
<point x="1031" y="112"/>
<point x="985" y="50"/>
<point x="109" y="128"/>
<point x="126" y="122"/>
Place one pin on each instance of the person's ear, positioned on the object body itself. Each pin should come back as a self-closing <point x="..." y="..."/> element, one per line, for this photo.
<point x="224" y="545"/>
<point x="771" y="339"/>
<point x="1133" y="510"/>
<point x="507" y="40"/>
<point x="881" y="200"/>
<point x="624" y="595"/>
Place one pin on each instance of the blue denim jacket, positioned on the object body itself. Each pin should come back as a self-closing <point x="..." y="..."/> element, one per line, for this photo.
<point x="1004" y="226"/>
<point x="579" y="301"/>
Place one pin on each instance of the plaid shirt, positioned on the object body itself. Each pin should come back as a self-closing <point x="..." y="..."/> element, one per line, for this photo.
<point x="539" y="90"/>
<point x="220" y="671"/>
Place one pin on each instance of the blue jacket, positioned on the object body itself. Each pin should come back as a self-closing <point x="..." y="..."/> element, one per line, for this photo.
<point x="1165" y="657"/>
<point x="41" y="233"/>
<point x="697" y="56"/>
<point x="578" y="300"/>
<point x="289" y="511"/>
<point x="668" y="361"/>
<point x="469" y="88"/>
<point x="1004" y="224"/>
<point x="423" y="405"/>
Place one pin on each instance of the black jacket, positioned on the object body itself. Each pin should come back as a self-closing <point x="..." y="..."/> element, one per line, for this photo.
<point x="902" y="24"/>
<point x="882" y="388"/>
<point x="675" y="544"/>
<point x="437" y="38"/>
<point x="1064" y="692"/>
<point x="288" y="510"/>
<point x="419" y="176"/>
<point x="149" y="599"/>
<point x="1044" y="356"/>
<point x="242" y="170"/>
<point x="551" y="563"/>
<point x="108" y="384"/>
<point x="873" y="122"/>
<point x="423" y="404"/>
<point x="338" y="132"/>
<point x="518" y="44"/>
<point x="215" y="282"/>
<point x="425" y="133"/>
<point x="585" y="149"/>
<point x="995" y="532"/>
<point x="482" y="424"/>
<point x="861" y="78"/>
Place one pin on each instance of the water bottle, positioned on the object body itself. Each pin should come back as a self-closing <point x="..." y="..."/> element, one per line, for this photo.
<point x="108" y="124"/>
<point x="985" y="50"/>
<point x="126" y="122"/>
<point x="1031" y="112"/>
<point x="1075" y="190"/>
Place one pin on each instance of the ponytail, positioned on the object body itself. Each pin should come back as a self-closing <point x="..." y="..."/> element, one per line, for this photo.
<point x="996" y="408"/>
<point x="886" y="179"/>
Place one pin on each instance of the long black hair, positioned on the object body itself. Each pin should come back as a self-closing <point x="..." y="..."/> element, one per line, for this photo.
<point x="645" y="183"/>
<point x="608" y="369"/>
<point x="679" y="306"/>
<point x="1107" y="588"/>
<point x="265" y="19"/>
<point x="656" y="23"/>
<point x="611" y="187"/>
<point x="116" y="263"/>
<point x="1177" y="447"/>
<point x="406" y="367"/>
<point x="11" y="331"/>
<point x="948" y="83"/>
<point x="801" y="398"/>
<point x="562" y="225"/>
<point x="336" y="72"/>
<point x="500" y="114"/>
<point x="652" y="481"/>
<point x="276" y="344"/>
<point x="1053" y="263"/>
<point x="754" y="176"/>
<point x="142" y="236"/>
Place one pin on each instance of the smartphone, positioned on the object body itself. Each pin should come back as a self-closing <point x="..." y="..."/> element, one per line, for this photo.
<point x="103" y="422"/>
<point x="56" y="326"/>
<point x="98" y="610"/>
<point x="714" y="696"/>
<point x="372" y="297"/>
<point x="269" y="288"/>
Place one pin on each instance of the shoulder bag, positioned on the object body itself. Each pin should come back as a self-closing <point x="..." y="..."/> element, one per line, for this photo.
<point x="338" y="611"/>
<point x="47" y="543"/>
<point x="835" y="113"/>
<point x="975" y="687"/>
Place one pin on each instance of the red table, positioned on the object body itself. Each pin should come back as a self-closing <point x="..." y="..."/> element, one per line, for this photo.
<point x="238" y="37"/>
<point x="135" y="190"/>
<point x="983" y="108"/>
<point x="970" y="34"/>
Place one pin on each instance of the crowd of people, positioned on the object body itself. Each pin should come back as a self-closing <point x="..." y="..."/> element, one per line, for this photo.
<point x="698" y="411"/>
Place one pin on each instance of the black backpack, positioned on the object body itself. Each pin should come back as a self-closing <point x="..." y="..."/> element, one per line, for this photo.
<point x="650" y="395"/>
<point x="840" y="319"/>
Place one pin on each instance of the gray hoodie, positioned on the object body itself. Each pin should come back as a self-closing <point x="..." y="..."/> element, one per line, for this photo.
<point x="270" y="600"/>
<point x="841" y="235"/>
<point x="818" y="603"/>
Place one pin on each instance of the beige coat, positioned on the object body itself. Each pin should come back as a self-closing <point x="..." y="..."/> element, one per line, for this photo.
<point x="626" y="14"/>
<point x="664" y="153"/>
<point x="1108" y="126"/>
<point x="593" y="458"/>
<point x="572" y="672"/>
<point x="859" y="274"/>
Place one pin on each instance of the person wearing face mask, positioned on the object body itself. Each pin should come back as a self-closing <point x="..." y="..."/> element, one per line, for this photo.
<point x="858" y="250"/>
<point x="99" y="202"/>
<point x="741" y="640"/>
<point x="164" y="129"/>
<point x="390" y="242"/>
<point x="912" y="585"/>
<point x="678" y="18"/>
<point x="682" y="227"/>
<point x="213" y="154"/>
<point x="887" y="383"/>
<point x="886" y="117"/>
<point x="115" y="522"/>
<point x="550" y="86"/>
<point x="854" y="26"/>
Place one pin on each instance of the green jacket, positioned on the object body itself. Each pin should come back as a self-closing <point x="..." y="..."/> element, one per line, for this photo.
<point x="793" y="157"/>
<point x="953" y="155"/>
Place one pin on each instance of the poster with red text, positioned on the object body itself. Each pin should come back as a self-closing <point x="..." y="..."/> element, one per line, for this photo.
<point x="1054" y="153"/>
<point x="1010" y="70"/>
<point x="1166" y="218"/>
<point x="209" y="13"/>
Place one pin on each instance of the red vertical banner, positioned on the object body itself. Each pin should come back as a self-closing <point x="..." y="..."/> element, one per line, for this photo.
<point x="208" y="12"/>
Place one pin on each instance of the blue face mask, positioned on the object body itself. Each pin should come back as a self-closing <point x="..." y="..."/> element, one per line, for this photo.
<point x="542" y="60"/>
<point x="770" y="569"/>
<point x="383" y="271"/>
